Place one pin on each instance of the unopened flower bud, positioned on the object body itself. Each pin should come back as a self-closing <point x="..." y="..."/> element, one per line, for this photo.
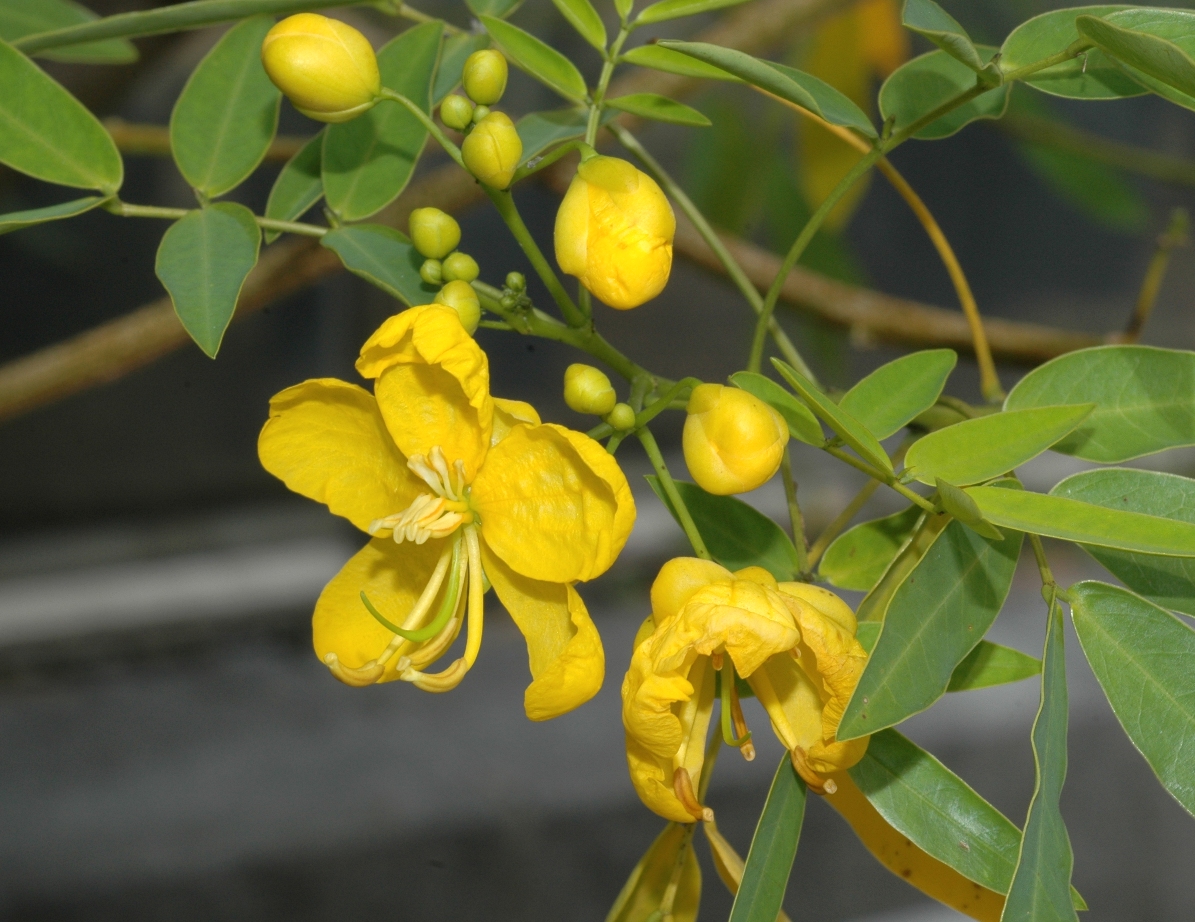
<point x="492" y="150"/>
<point x="733" y="441"/>
<point x="432" y="271"/>
<point x="508" y="302"/>
<point x="614" y="232"/>
<point x="484" y="76"/>
<point x="326" y="68"/>
<point x="434" y="233"/>
<point x="588" y="390"/>
<point x="460" y="266"/>
<point x="479" y="113"/>
<point x="516" y="281"/>
<point x="456" y="112"/>
<point x="622" y="417"/>
<point x="461" y="297"/>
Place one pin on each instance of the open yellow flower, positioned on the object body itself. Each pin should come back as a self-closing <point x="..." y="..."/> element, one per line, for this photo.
<point x="457" y="488"/>
<point x="793" y="643"/>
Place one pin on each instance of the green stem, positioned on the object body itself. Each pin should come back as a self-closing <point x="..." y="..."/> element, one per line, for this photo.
<point x="545" y="161"/>
<point x="1075" y="49"/>
<point x="794" y="253"/>
<point x="673" y="494"/>
<point x="166" y="19"/>
<point x="409" y="12"/>
<point x="929" y="118"/>
<point x="599" y="95"/>
<point x="796" y="520"/>
<point x="125" y="210"/>
<point x="714" y="241"/>
<point x="428" y="122"/>
<point x="1175" y="235"/>
<point x="505" y="204"/>
<point x="883" y="477"/>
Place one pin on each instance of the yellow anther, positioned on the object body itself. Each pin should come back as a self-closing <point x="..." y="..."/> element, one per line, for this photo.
<point x="437" y="682"/>
<point x="354" y="676"/>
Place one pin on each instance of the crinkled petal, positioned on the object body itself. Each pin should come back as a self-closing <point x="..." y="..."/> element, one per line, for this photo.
<point x="326" y="440"/>
<point x="393" y="576"/>
<point x="553" y="504"/>
<point x="563" y="646"/>
<point x="824" y="601"/>
<point x="751" y="622"/>
<point x="508" y="414"/>
<point x="652" y="780"/>
<point x="837" y="660"/>
<point x="647" y="700"/>
<point x="432" y="385"/>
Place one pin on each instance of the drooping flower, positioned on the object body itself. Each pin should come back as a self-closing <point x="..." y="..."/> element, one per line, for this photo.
<point x="456" y="488"/>
<point x="793" y="643"/>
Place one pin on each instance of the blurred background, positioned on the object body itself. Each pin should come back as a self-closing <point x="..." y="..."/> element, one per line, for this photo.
<point x="170" y="748"/>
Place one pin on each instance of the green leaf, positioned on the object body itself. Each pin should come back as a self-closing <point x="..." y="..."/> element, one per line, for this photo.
<point x="849" y="429"/>
<point x="644" y="890"/>
<point x="226" y="115"/>
<point x="540" y="60"/>
<point x="298" y="187"/>
<point x="673" y="62"/>
<point x="921" y="85"/>
<point x="675" y="9"/>
<point x="585" y="19"/>
<point x="1085" y="523"/>
<point x="799" y="88"/>
<point x="859" y="556"/>
<point x="660" y="108"/>
<point x="542" y="130"/>
<point x="16" y="220"/>
<point x="802" y="424"/>
<point x="499" y="8"/>
<point x="736" y="535"/>
<point x="1144" y="397"/>
<point x="456" y="51"/>
<point x="987" y="665"/>
<point x="894" y="394"/>
<point x="773" y="849"/>
<point x="367" y="162"/>
<point x="1153" y="46"/>
<point x="936" y="617"/>
<point x="932" y="22"/>
<point x="980" y="449"/>
<point x="19" y="18"/>
<point x="1041" y="887"/>
<point x="203" y="261"/>
<point x="383" y="257"/>
<point x="1142" y="657"/>
<point x="874" y="606"/>
<point x="956" y="502"/>
<point x="1090" y="76"/>
<point x="1166" y="581"/>
<point x="48" y="134"/>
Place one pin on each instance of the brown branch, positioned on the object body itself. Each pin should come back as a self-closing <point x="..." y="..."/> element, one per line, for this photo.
<point x="154" y="141"/>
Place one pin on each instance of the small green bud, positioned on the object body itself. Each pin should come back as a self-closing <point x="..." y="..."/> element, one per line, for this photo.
<point x="622" y="417"/>
<point x="461" y="297"/>
<point x="431" y="272"/>
<point x="492" y="150"/>
<point x="588" y="390"/>
<point x="508" y="302"/>
<point x="484" y="76"/>
<point x="456" y="112"/>
<point x="460" y="267"/>
<point x="516" y="281"/>
<point x="479" y="113"/>
<point x="434" y="233"/>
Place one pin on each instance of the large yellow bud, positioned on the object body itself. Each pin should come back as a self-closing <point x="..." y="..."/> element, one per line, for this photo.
<point x="327" y="69"/>
<point x="733" y="441"/>
<point x="614" y="232"/>
<point x="492" y="150"/>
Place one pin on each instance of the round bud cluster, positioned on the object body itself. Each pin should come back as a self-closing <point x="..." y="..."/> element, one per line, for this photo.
<point x="484" y="76"/>
<point x="326" y="68"/>
<point x="456" y="112"/>
<point x="622" y="417"/>
<point x="493" y="149"/>
<point x="434" y="233"/>
<point x="733" y="441"/>
<point x="460" y="267"/>
<point x="588" y="390"/>
<point x="461" y="297"/>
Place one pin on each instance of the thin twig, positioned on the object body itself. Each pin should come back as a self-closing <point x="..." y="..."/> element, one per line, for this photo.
<point x="154" y="141"/>
<point x="1175" y="235"/>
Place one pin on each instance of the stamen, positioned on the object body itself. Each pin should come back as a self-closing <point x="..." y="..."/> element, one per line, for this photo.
<point x="732" y="711"/>
<point x="444" y="681"/>
<point x="476" y="597"/>
<point x="682" y="786"/>
<point x="816" y="782"/>
<point x="447" y="606"/>
<point x="358" y="677"/>
<point x="441" y="467"/>
<point x="419" y="466"/>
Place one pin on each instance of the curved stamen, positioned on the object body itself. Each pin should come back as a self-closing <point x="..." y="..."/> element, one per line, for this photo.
<point x="816" y="782"/>
<point x="358" y="677"/>
<point x="476" y="597"/>
<point x="682" y="786"/>
<point x="440" y="465"/>
<point x="437" y="682"/>
<point x="732" y="712"/>
<point x="447" y="606"/>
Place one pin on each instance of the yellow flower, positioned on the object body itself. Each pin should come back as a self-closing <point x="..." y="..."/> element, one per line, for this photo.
<point x="614" y="232"/>
<point x="733" y="441"/>
<point x="457" y="488"/>
<point x="793" y="643"/>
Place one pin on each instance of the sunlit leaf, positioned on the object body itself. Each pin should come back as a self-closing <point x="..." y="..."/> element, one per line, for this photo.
<point x="19" y="18"/>
<point x="659" y="108"/>
<point x="895" y="394"/>
<point x="585" y="19"/>
<point x="675" y="9"/>
<point x="539" y="59"/>
<point x="859" y="556"/>
<point x="1153" y="46"/>
<point x="658" y="57"/>
<point x="930" y="21"/>
<point x="773" y="848"/>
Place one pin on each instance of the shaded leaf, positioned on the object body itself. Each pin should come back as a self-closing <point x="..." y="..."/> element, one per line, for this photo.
<point x="658" y="57"/>
<point x="382" y="256"/>
<point x="499" y="8"/>
<point x="298" y="187"/>
<point x="659" y="108"/>
<point x="1153" y="46"/>
<point x="675" y="9"/>
<point x="19" y="18"/>
<point x="453" y="55"/>
<point x="542" y="130"/>
<point x="802" y="424"/>
<point x="932" y="22"/>
<point x="894" y="394"/>
<point x="644" y="890"/>
<point x="859" y="556"/>
<point x="773" y="849"/>
<point x="923" y="84"/>
<point x="585" y="19"/>
<point x="875" y="604"/>
<point x="989" y="664"/>
<point x="540" y="60"/>
<point x="16" y="220"/>
<point x="956" y="502"/>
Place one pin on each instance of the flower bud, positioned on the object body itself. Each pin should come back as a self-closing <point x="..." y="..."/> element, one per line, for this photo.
<point x="461" y="297"/>
<point x="479" y="113"/>
<point x="460" y="266"/>
<point x="492" y="150"/>
<point x="432" y="272"/>
<point x="622" y="417"/>
<point x="456" y="112"/>
<point x="326" y="68"/>
<point x="614" y="232"/>
<point x="516" y="281"/>
<point x="588" y="390"/>
<point x="484" y="76"/>
<point x="434" y="233"/>
<point x="733" y="441"/>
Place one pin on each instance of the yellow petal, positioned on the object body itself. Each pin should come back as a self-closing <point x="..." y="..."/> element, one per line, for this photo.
<point x="750" y="621"/>
<point x="553" y="504"/>
<point x="824" y="601"/>
<point x="644" y="890"/>
<point x="508" y="414"/>
<point x="652" y="779"/>
<point x="676" y="582"/>
<point x="792" y="701"/>
<point x="393" y="576"/>
<point x="433" y="384"/>
<point x="563" y="646"/>
<point x="326" y="440"/>
<point x="837" y="660"/>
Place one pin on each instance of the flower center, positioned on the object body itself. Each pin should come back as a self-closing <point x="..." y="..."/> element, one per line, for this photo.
<point x="432" y="515"/>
